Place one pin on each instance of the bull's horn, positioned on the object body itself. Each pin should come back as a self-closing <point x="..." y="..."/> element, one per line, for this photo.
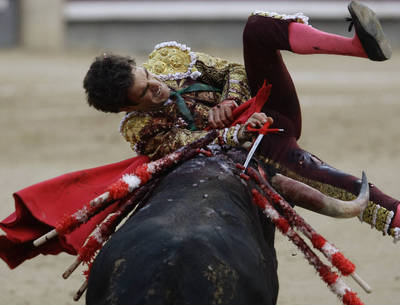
<point x="311" y="199"/>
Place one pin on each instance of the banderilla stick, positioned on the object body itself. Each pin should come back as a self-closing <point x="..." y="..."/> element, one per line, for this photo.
<point x="96" y="205"/>
<point x="335" y="283"/>
<point x="108" y="226"/>
<point x="156" y="168"/>
<point x="81" y="290"/>
<point x="296" y="220"/>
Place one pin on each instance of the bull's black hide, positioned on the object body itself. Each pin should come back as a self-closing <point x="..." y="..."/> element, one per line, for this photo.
<point x="199" y="240"/>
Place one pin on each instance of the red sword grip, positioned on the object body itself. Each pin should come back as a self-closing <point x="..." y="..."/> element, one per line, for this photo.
<point x="263" y="130"/>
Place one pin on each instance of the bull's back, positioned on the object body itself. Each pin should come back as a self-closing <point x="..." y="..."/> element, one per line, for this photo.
<point x="199" y="240"/>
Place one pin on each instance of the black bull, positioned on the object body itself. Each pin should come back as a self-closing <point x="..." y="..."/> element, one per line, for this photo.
<point x="198" y="240"/>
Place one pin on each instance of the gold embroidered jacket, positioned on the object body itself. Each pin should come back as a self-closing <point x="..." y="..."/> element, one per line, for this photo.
<point x="157" y="133"/>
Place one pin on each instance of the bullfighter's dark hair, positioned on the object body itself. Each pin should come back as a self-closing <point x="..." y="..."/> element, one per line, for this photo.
<point x="107" y="82"/>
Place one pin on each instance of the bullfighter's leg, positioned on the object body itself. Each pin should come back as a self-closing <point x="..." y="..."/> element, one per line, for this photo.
<point x="266" y="34"/>
<point x="368" y="40"/>
<point x="285" y="156"/>
<point x="263" y="38"/>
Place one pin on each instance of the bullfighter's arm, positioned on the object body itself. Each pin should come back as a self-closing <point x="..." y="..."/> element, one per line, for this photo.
<point x="173" y="61"/>
<point x="230" y="77"/>
<point x="156" y="138"/>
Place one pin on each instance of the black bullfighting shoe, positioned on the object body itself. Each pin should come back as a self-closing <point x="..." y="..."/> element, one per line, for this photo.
<point x="369" y="32"/>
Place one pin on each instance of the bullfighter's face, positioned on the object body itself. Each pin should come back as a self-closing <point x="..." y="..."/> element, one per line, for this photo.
<point x="147" y="92"/>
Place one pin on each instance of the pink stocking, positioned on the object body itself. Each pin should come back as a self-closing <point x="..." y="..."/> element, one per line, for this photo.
<point x="304" y="39"/>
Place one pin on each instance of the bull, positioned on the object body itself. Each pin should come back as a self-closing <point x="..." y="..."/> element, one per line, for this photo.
<point x="200" y="240"/>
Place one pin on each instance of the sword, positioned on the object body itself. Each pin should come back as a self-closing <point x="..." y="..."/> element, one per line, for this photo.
<point x="261" y="133"/>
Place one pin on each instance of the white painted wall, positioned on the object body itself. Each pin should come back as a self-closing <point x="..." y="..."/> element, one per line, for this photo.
<point x="42" y="24"/>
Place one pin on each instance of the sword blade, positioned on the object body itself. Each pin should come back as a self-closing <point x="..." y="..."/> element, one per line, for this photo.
<point x="252" y="150"/>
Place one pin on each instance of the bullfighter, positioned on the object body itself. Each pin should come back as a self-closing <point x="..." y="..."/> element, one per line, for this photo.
<point x="177" y="93"/>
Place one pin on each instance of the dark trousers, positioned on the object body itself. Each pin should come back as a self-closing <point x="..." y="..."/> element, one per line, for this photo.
<point x="263" y="38"/>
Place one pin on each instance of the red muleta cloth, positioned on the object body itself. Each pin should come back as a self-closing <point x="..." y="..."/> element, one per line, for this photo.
<point x="39" y="208"/>
<point x="242" y="113"/>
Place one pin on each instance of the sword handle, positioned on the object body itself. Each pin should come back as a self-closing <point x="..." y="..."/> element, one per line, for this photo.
<point x="263" y="130"/>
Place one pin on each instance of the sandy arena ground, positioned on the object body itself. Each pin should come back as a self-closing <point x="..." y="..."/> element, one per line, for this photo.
<point x="350" y="113"/>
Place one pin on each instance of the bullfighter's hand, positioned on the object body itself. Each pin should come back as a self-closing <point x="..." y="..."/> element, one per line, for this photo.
<point x="257" y="120"/>
<point x="220" y="116"/>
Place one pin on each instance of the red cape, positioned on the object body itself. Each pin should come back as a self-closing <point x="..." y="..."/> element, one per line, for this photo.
<point x="40" y="207"/>
<point x="242" y="113"/>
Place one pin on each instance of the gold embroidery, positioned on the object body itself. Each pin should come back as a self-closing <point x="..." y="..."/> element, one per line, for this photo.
<point x="381" y="217"/>
<point x="156" y="134"/>
<point x="170" y="60"/>
<point x="172" y="84"/>
<point x="325" y="188"/>
<point x="369" y="212"/>
<point x="382" y="214"/>
<point x="132" y="128"/>
<point x="220" y="73"/>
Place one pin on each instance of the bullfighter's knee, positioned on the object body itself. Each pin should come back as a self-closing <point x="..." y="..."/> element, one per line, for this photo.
<point x="265" y="31"/>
